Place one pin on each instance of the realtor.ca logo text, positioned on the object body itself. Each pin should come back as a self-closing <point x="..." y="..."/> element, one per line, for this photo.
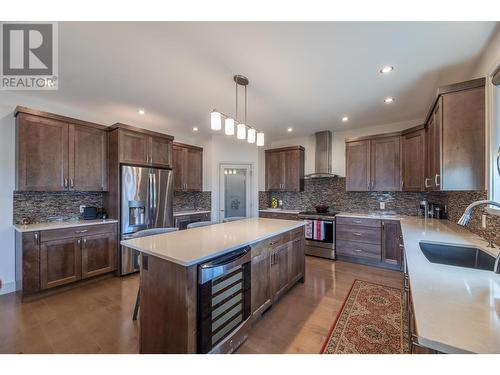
<point x="29" y="59"/>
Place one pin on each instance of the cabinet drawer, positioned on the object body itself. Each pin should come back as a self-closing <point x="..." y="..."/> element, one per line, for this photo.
<point x="270" y="244"/>
<point x="358" y="249"/>
<point x="88" y="230"/>
<point x="358" y="221"/>
<point x="359" y="234"/>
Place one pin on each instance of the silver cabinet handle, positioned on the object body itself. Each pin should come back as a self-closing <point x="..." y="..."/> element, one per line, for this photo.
<point x="436" y="177"/>
<point x="65" y="182"/>
<point x="427" y="185"/>
<point x="357" y="234"/>
<point x="81" y="231"/>
<point x="71" y="183"/>
<point x="79" y="242"/>
<point x="84" y="240"/>
<point x="357" y="250"/>
<point x="35" y="237"/>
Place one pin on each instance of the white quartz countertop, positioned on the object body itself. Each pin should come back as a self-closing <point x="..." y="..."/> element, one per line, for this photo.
<point x="457" y="310"/>
<point x="192" y="246"/>
<point x="60" y="225"/>
<point x="279" y="210"/>
<point x="190" y="212"/>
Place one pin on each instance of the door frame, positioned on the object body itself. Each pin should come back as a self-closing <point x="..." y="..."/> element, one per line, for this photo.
<point x="221" y="189"/>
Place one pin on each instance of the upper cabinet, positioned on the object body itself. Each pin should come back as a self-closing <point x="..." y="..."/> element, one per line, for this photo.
<point x="285" y="169"/>
<point x="57" y="153"/>
<point x="413" y="159"/>
<point x="447" y="153"/>
<point x="456" y="138"/>
<point x="373" y="164"/>
<point x="142" y="147"/>
<point x="187" y="167"/>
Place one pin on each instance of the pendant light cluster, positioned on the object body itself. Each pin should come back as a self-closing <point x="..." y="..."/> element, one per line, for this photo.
<point x="233" y="126"/>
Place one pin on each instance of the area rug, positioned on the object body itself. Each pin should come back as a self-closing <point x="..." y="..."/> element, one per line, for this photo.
<point x="371" y="321"/>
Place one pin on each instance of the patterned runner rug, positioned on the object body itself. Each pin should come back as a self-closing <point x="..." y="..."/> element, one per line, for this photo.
<point x="371" y="321"/>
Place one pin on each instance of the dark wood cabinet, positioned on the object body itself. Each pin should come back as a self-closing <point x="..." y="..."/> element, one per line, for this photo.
<point x="455" y="131"/>
<point x="369" y="241"/>
<point x="261" y="279"/>
<point x="57" y="153"/>
<point x="52" y="258"/>
<point x="414" y="160"/>
<point x="358" y="166"/>
<point x="297" y="258"/>
<point x="373" y="164"/>
<point x="279" y="215"/>
<point x="181" y="221"/>
<point x="60" y="262"/>
<point x="187" y="167"/>
<point x="134" y="147"/>
<point x="285" y="169"/>
<point x="279" y="271"/>
<point x="392" y="243"/>
<point x="42" y="154"/>
<point x="98" y="254"/>
<point x="385" y="164"/>
<point x="142" y="147"/>
<point x="88" y="159"/>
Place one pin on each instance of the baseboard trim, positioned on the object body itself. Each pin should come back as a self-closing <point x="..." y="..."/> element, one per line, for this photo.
<point x="8" y="288"/>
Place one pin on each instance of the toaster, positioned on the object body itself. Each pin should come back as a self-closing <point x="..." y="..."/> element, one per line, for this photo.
<point x="89" y="213"/>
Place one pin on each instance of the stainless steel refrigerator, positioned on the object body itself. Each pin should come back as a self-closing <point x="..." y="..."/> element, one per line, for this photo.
<point x="146" y="202"/>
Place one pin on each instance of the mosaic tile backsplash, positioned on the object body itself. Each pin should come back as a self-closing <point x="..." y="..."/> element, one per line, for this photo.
<point x="331" y="192"/>
<point x="40" y="206"/>
<point x="196" y="200"/>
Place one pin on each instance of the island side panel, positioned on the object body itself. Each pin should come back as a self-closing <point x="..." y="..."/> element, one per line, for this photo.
<point x="167" y="306"/>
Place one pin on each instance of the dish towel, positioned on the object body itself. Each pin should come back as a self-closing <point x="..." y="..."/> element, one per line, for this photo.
<point x="309" y="229"/>
<point x="319" y="230"/>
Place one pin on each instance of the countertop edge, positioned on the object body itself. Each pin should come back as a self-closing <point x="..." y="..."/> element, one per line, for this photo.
<point x="213" y="255"/>
<point x="58" y="225"/>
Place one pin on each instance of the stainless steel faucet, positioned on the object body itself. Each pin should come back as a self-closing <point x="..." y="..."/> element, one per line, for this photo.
<point x="464" y="220"/>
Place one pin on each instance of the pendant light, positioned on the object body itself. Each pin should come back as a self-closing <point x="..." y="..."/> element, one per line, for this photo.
<point x="260" y="139"/>
<point x="215" y="120"/>
<point x="243" y="131"/>
<point x="251" y="135"/>
<point x="229" y="126"/>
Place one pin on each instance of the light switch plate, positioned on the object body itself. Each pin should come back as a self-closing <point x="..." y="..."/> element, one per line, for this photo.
<point x="483" y="221"/>
<point x="81" y="208"/>
<point x="382" y="205"/>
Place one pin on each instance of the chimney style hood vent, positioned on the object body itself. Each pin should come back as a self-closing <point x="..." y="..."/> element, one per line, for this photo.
<point x="323" y="156"/>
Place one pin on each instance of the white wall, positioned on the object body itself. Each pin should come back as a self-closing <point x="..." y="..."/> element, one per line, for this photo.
<point x="338" y="143"/>
<point x="489" y="59"/>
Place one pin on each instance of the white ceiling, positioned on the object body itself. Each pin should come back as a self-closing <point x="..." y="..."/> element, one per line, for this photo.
<point x="302" y="75"/>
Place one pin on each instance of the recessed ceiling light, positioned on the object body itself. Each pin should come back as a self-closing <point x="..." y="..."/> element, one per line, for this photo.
<point x="141" y="111"/>
<point x="388" y="100"/>
<point x="386" y="69"/>
<point x="289" y="130"/>
<point x="195" y="129"/>
<point x="345" y="119"/>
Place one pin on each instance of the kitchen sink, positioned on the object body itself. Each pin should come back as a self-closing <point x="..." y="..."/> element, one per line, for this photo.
<point x="468" y="257"/>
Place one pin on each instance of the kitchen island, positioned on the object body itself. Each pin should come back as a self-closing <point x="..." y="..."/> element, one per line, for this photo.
<point x="172" y="295"/>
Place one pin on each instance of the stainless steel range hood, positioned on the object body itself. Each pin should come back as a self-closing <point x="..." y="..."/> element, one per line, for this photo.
<point x="323" y="156"/>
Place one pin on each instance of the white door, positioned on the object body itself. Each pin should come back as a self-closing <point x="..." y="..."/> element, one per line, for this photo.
<point x="235" y="199"/>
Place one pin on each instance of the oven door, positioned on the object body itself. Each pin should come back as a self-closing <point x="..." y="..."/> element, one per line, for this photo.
<point x="320" y="238"/>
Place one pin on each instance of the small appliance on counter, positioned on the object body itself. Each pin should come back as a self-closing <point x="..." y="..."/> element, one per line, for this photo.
<point x="89" y="213"/>
<point x="438" y="211"/>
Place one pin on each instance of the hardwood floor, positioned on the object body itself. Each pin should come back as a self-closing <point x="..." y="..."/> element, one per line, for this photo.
<point x="97" y="318"/>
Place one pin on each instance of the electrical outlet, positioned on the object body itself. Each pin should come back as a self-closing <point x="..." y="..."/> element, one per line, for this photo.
<point x="81" y="208"/>
<point x="382" y="205"/>
<point x="483" y="221"/>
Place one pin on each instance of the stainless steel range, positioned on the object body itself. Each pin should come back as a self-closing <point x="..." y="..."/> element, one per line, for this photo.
<point x="319" y="233"/>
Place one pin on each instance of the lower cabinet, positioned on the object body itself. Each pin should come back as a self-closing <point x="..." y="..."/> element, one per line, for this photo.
<point x="369" y="241"/>
<point x="98" y="254"/>
<point x="277" y="264"/>
<point x="52" y="258"/>
<point x="279" y="271"/>
<point x="60" y="262"/>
